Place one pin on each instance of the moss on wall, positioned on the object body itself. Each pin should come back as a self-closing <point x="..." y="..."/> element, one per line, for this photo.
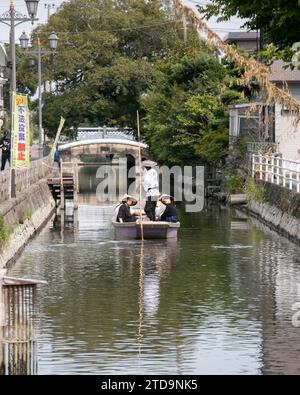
<point x="282" y="198"/>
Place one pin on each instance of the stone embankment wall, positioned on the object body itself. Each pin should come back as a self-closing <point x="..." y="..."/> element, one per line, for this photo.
<point x="24" y="216"/>
<point x="280" y="210"/>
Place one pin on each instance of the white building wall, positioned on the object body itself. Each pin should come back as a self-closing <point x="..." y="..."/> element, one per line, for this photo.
<point x="295" y="90"/>
<point x="287" y="134"/>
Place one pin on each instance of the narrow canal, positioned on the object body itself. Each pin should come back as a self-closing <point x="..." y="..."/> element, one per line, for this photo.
<point x="219" y="300"/>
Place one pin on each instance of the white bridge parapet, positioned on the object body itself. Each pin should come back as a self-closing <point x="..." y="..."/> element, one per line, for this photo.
<point x="105" y="133"/>
<point x="277" y="170"/>
<point x="104" y="141"/>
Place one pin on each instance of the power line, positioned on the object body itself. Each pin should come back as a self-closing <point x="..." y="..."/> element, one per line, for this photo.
<point x="122" y="28"/>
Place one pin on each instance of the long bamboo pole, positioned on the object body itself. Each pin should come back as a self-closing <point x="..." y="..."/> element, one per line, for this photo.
<point x="140" y="172"/>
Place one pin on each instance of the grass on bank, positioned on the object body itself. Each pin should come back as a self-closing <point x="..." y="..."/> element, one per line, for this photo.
<point x="5" y="232"/>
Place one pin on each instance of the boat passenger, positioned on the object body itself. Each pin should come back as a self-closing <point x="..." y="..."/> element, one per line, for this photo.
<point x="151" y="186"/>
<point x="123" y="210"/>
<point x="167" y="212"/>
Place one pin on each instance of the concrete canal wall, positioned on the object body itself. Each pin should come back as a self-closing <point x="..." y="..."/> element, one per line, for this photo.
<point x="280" y="210"/>
<point x="23" y="217"/>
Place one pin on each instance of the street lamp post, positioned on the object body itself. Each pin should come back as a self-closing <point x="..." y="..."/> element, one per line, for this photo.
<point x="12" y="18"/>
<point x="40" y="53"/>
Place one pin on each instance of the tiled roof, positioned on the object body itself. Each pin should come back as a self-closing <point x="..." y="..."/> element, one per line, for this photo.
<point x="241" y="36"/>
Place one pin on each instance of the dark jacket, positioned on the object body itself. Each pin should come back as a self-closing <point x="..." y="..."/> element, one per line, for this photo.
<point x="125" y="214"/>
<point x="170" y="214"/>
<point x="5" y="145"/>
<point x="57" y="156"/>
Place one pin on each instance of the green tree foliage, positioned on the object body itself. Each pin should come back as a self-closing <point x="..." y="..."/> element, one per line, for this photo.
<point x="279" y="19"/>
<point x="27" y="78"/>
<point x="186" y="113"/>
<point x="105" y="60"/>
<point x="27" y="81"/>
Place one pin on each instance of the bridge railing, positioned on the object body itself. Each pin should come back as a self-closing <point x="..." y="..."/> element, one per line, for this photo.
<point x="277" y="170"/>
<point x="105" y="133"/>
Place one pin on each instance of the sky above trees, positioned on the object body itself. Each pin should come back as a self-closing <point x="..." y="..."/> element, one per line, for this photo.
<point x="221" y="28"/>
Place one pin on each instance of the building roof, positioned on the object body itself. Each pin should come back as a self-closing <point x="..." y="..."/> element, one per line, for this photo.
<point x="241" y="36"/>
<point x="280" y="73"/>
<point x="245" y="105"/>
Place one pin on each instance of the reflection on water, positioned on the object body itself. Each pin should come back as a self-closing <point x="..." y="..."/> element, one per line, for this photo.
<point x="217" y="301"/>
<point x="91" y="176"/>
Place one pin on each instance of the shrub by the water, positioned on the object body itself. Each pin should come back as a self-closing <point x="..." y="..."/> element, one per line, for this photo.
<point x="4" y="232"/>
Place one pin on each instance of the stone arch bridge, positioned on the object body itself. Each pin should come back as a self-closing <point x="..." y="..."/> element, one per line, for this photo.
<point x="102" y="145"/>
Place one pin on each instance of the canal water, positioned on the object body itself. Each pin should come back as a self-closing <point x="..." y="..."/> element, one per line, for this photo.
<point x="222" y="299"/>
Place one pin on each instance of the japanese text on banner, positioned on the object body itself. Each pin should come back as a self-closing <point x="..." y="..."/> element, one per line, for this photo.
<point x="21" y="133"/>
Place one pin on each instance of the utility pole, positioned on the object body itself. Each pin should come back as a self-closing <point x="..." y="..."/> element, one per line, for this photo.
<point x="13" y="90"/>
<point x="40" y="53"/>
<point x="49" y="6"/>
<point x="41" y="130"/>
<point x="13" y="18"/>
<point x="185" y="32"/>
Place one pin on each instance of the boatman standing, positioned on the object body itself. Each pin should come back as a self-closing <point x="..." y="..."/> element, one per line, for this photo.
<point x="151" y="187"/>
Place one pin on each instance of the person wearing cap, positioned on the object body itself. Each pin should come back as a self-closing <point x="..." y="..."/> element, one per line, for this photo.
<point x="151" y="187"/>
<point x="123" y="213"/>
<point x="5" y="145"/>
<point x="168" y="211"/>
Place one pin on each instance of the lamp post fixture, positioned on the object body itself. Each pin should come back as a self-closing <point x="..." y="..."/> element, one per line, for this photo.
<point x="12" y="18"/>
<point x="40" y="53"/>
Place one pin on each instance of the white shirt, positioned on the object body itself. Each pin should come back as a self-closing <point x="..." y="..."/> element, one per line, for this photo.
<point x="159" y="211"/>
<point x="150" y="182"/>
<point x="116" y="212"/>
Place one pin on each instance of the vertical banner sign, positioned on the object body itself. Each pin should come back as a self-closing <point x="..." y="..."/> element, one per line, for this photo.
<point x="60" y="128"/>
<point x="21" y="133"/>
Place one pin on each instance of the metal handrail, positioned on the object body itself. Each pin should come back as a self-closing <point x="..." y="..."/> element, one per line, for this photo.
<point x="266" y="165"/>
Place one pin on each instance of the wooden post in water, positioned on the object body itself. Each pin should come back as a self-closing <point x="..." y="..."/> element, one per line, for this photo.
<point x="62" y="189"/>
<point x="140" y="171"/>
<point x="76" y="187"/>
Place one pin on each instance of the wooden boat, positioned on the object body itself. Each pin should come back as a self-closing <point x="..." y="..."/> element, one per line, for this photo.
<point x="152" y="230"/>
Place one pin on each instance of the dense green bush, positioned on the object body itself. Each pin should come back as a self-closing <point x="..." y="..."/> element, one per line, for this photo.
<point x="5" y="232"/>
<point x="186" y="119"/>
<point x="255" y="191"/>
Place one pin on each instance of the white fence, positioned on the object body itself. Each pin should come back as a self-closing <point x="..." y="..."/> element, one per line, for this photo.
<point x="276" y="170"/>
